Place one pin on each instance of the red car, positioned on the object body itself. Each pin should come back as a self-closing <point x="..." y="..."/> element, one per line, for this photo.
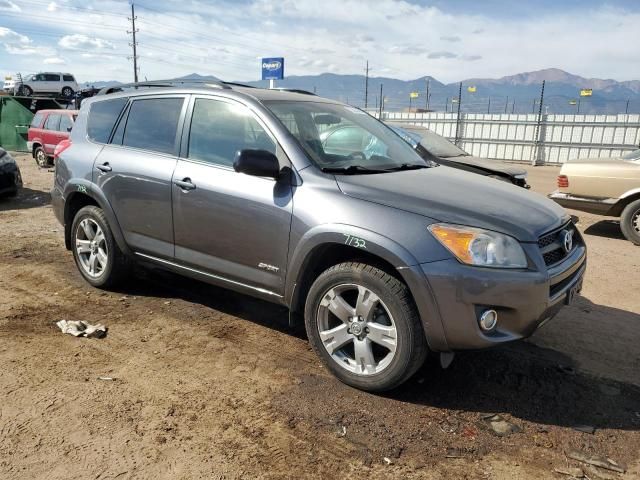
<point x="48" y="128"/>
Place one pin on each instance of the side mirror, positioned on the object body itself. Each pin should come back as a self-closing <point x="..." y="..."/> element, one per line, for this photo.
<point x="259" y="163"/>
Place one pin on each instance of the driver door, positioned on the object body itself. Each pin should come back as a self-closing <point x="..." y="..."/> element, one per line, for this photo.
<point x="232" y="226"/>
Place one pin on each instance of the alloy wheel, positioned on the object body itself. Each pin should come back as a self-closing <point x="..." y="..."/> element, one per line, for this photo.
<point x="41" y="158"/>
<point x="357" y="329"/>
<point x="635" y="221"/>
<point x="91" y="247"/>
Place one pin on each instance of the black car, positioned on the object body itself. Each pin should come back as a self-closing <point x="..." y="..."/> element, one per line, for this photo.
<point x="431" y="146"/>
<point x="10" y="178"/>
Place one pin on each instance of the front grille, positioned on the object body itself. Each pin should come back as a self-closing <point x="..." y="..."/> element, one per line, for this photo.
<point x="552" y="244"/>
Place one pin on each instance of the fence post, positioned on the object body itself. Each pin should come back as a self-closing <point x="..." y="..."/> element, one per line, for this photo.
<point x="458" y="132"/>
<point x="537" y="150"/>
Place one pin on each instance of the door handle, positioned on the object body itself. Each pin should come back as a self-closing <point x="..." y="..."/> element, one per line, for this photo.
<point x="185" y="184"/>
<point x="105" y="167"/>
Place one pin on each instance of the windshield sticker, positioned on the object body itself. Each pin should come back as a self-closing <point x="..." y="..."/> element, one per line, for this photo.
<point x="354" y="241"/>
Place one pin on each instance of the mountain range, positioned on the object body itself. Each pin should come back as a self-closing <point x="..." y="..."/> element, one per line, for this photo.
<point x="518" y="93"/>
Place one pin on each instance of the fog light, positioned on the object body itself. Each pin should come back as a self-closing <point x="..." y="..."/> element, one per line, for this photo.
<point x="488" y="320"/>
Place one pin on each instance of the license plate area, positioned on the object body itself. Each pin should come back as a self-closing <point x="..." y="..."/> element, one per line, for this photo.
<point x="573" y="292"/>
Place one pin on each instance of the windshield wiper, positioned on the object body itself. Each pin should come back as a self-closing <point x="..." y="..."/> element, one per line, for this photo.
<point x="407" y="166"/>
<point x="353" y="169"/>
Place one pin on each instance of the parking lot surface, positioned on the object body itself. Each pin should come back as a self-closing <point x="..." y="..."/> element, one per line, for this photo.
<point x="194" y="381"/>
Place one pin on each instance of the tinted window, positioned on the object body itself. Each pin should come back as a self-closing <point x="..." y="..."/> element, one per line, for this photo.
<point x="37" y="120"/>
<point x="52" y="77"/>
<point x="102" y="117"/>
<point x="220" y="129"/>
<point x="68" y="78"/>
<point x="152" y="124"/>
<point x="52" y="122"/>
<point x="65" y="123"/>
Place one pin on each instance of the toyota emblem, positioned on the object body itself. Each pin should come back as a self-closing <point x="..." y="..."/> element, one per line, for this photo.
<point x="567" y="240"/>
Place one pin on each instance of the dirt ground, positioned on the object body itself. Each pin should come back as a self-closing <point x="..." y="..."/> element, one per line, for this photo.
<point x="214" y="385"/>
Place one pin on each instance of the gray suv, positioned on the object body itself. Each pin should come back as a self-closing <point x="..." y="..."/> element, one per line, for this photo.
<point x="386" y="256"/>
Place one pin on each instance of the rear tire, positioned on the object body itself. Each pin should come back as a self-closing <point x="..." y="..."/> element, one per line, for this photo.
<point x="95" y="251"/>
<point x="376" y="340"/>
<point x="630" y="222"/>
<point x="67" y="92"/>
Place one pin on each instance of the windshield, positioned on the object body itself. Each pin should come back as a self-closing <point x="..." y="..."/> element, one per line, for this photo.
<point x="633" y="155"/>
<point x="439" y="146"/>
<point x="342" y="137"/>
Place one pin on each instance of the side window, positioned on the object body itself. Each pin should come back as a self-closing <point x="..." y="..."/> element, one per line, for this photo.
<point x="118" y="135"/>
<point x="65" y="123"/>
<point x="37" y="120"/>
<point x="152" y="124"/>
<point x="68" y="78"/>
<point x="102" y="117"/>
<point x="52" y="77"/>
<point x="38" y="78"/>
<point x="220" y="129"/>
<point x="53" y="120"/>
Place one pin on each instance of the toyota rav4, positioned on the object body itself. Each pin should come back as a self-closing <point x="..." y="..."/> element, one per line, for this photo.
<point x="386" y="256"/>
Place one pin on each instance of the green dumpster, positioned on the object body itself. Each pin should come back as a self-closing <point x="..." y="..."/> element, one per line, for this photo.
<point x="15" y="117"/>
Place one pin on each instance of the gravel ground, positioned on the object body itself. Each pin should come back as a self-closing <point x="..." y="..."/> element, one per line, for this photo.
<point x="212" y="384"/>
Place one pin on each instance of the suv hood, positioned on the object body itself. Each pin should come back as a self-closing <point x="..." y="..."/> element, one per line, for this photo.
<point x="490" y="165"/>
<point x="455" y="196"/>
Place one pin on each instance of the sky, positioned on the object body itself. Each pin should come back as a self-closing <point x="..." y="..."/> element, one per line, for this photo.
<point x="450" y="40"/>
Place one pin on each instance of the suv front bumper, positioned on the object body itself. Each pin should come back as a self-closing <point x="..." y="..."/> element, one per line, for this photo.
<point x="523" y="299"/>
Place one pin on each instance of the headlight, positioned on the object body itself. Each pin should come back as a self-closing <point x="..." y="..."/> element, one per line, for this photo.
<point x="484" y="248"/>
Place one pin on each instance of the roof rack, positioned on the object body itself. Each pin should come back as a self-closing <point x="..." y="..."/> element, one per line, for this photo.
<point x="164" y="84"/>
<point x="295" y="90"/>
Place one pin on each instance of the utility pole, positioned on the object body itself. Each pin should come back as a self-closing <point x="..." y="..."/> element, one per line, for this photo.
<point x="381" y="104"/>
<point x="513" y="107"/>
<point x="366" y="86"/>
<point x="134" y="44"/>
<point x="446" y="105"/>
<point x="489" y="106"/>
<point x="506" y="104"/>
<point x="626" y="110"/>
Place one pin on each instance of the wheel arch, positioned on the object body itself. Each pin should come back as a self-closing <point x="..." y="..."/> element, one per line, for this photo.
<point x="620" y="205"/>
<point x="36" y="143"/>
<point x="326" y="246"/>
<point x="79" y="195"/>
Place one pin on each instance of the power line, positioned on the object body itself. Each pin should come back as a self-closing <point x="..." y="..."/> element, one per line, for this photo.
<point x="73" y="7"/>
<point x="69" y="22"/>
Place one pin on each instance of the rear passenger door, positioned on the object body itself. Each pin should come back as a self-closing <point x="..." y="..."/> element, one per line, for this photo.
<point x="50" y="133"/>
<point x="134" y="171"/>
<point x="229" y="224"/>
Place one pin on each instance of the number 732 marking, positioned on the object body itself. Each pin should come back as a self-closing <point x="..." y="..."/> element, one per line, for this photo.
<point x="355" y="241"/>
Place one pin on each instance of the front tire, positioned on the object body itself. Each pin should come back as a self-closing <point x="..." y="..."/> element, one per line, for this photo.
<point x="363" y="324"/>
<point x="97" y="255"/>
<point x="630" y="222"/>
<point x="41" y="158"/>
<point x="27" y="91"/>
